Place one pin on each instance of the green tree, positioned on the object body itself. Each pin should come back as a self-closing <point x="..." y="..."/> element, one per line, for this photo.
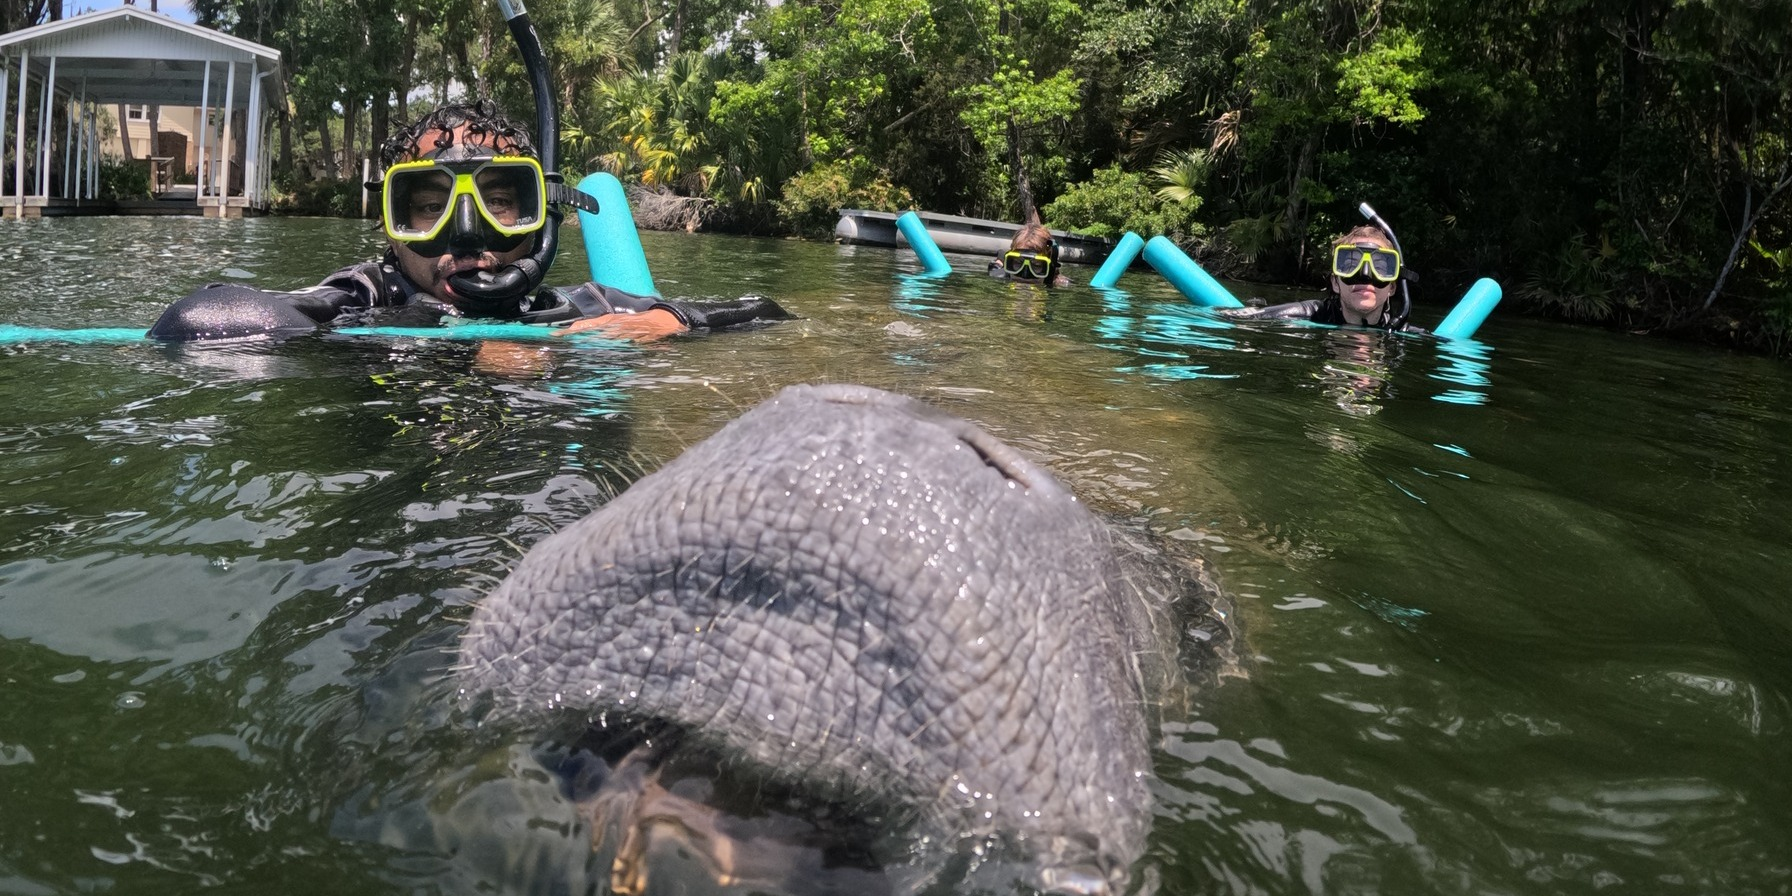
<point x="1015" y="108"/>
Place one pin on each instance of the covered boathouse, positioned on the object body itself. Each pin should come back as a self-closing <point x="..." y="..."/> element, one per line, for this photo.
<point x="56" y="77"/>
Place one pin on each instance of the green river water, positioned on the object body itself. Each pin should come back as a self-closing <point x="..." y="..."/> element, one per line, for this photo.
<point x="1509" y="618"/>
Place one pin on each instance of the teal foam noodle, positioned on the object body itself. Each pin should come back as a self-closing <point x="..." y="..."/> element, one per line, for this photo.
<point x="10" y="334"/>
<point x="1117" y="261"/>
<point x="1187" y="276"/>
<point x="1466" y="317"/>
<point x="612" y="244"/>
<point x="925" y="248"/>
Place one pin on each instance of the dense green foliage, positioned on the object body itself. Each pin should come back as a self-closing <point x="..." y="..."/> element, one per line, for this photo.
<point x="124" y="180"/>
<point x="1619" y="161"/>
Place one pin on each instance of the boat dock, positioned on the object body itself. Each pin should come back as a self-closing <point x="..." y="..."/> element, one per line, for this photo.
<point x="953" y="233"/>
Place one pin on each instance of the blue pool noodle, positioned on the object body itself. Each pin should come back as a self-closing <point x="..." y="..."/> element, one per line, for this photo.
<point x="612" y="244"/>
<point x="1117" y="261"/>
<point x="1466" y="317"/>
<point x="10" y="334"/>
<point x="925" y="248"/>
<point x="1187" y="276"/>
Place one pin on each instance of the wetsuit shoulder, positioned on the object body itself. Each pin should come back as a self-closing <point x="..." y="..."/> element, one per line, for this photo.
<point x="237" y="311"/>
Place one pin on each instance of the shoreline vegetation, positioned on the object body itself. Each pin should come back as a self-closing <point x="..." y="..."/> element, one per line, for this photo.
<point x="1619" y="163"/>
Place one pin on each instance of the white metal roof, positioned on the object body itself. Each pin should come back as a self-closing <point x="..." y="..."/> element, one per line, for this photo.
<point x="131" y="55"/>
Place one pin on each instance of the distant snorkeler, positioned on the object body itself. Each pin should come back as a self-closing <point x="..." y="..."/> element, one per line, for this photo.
<point x="1032" y="257"/>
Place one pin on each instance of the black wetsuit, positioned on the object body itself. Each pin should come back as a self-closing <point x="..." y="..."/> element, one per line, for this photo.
<point x="1328" y="310"/>
<point x="377" y="292"/>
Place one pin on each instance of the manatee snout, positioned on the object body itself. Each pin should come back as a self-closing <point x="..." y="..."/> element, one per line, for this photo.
<point x="862" y="595"/>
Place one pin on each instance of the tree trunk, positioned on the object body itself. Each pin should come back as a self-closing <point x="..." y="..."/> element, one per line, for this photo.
<point x="1023" y="186"/>
<point x="482" y="87"/>
<point x="285" y="142"/>
<point x="1294" y="214"/>
<point x="124" y="132"/>
<point x="379" y="121"/>
<point x="1750" y="217"/>
<point x="351" y="110"/>
<point x="155" y="149"/>
<point x="805" y="152"/>
<point x="323" y="132"/>
<point x="407" y="59"/>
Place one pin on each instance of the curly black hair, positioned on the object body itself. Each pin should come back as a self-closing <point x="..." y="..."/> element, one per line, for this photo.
<point x="483" y="120"/>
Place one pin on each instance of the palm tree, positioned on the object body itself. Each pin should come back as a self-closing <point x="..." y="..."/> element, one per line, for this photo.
<point x="1182" y="175"/>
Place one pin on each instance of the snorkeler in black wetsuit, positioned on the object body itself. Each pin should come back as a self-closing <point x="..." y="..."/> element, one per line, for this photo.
<point x="1366" y="268"/>
<point x="470" y="228"/>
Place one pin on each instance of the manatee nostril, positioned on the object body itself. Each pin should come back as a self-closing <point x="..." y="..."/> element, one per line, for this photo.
<point x="991" y="450"/>
<point x="998" y="456"/>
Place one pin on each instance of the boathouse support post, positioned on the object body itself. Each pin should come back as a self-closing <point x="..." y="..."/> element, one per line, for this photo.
<point x="202" y="171"/>
<point x="5" y="80"/>
<point x="83" y="186"/>
<point x="18" y="155"/>
<point x="77" y="144"/>
<point x="254" y="185"/>
<point x="226" y="144"/>
<point x="90" y="146"/>
<point x="251" y="138"/>
<point x="93" y="151"/>
<point x="44" y="108"/>
<point x="267" y="156"/>
<point x="68" y="149"/>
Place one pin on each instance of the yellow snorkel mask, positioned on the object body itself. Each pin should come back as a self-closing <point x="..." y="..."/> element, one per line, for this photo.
<point x="1369" y="260"/>
<point x="503" y="198"/>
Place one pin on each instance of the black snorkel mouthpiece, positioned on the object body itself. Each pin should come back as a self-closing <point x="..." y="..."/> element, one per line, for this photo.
<point x="518" y="279"/>
<point x="1398" y="320"/>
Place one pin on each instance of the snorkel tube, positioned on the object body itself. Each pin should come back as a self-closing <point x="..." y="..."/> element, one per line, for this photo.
<point x="1405" y="295"/>
<point x="523" y="276"/>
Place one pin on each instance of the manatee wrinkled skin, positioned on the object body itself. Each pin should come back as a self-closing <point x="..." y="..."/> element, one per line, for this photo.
<point x="859" y="591"/>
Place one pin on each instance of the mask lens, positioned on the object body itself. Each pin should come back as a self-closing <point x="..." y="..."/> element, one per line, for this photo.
<point x="417" y="201"/>
<point x="512" y="195"/>
<point x="1384" y="264"/>
<point x="1027" y="264"/>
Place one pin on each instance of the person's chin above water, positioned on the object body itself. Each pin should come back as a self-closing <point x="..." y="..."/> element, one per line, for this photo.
<point x="1362" y="298"/>
<point x="431" y="275"/>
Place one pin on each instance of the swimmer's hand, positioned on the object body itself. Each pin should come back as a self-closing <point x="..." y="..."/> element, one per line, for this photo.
<point x="646" y="326"/>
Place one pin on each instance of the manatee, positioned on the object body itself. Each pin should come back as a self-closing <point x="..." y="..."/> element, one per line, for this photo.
<point x="864" y="598"/>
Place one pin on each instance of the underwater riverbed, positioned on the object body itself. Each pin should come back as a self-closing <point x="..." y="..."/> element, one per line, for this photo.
<point x="1511" y="617"/>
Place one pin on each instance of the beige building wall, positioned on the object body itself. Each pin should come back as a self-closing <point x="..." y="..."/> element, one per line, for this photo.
<point x="183" y="120"/>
